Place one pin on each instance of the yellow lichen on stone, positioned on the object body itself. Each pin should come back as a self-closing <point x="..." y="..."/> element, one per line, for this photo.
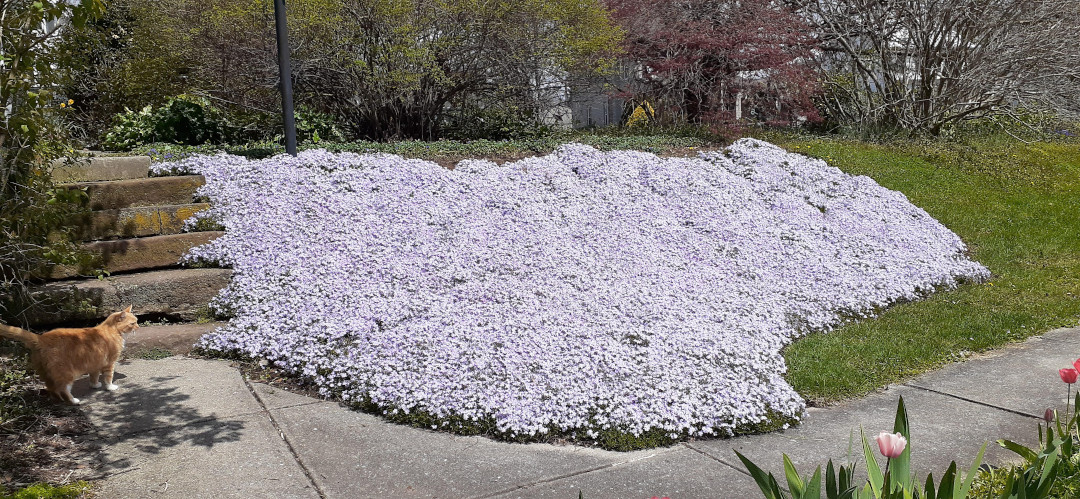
<point x="144" y="222"/>
<point x="174" y="220"/>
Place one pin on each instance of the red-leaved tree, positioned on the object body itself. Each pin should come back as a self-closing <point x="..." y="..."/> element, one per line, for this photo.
<point x="706" y="61"/>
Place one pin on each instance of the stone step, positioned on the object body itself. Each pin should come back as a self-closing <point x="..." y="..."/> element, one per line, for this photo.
<point x="180" y="294"/>
<point x="153" y="191"/>
<point x="97" y="168"/>
<point x="175" y="338"/>
<point x="140" y="221"/>
<point x="138" y="254"/>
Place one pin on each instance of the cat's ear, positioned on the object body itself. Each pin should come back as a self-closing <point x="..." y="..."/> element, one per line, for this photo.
<point x="127" y="310"/>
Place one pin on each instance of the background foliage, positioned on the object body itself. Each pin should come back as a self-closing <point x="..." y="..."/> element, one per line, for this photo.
<point x="31" y="210"/>
<point x="920" y="65"/>
<point x="382" y="69"/>
<point x="699" y="60"/>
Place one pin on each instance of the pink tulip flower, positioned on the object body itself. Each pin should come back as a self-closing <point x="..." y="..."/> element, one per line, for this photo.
<point x="1068" y="375"/>
<point x="1076" y="364"/>
<point x="891" y="444"/>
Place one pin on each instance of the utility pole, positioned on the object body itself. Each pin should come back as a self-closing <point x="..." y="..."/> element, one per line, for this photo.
<point x="285" y="70"/>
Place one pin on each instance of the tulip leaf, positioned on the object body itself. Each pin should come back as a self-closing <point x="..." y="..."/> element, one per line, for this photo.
<point x="838" y="483"/>
<point x="830" y="480"/>
<point x="813" y="487"/>
<point x="845" y="478"/>
<point x="1024" y="452"/>
<point x="900" y="466"/>
<point x="1049" y="472"/>
<point x="970" y="478"/>
<point x="900" y="425"/>
<point x="795" y="484"/>
<point x="1075" y="413"/>
<point x="948" y="483"/>
<point x="766" y="482"/>
<point x="873" y="471"/>
<point x="929" y="492"/>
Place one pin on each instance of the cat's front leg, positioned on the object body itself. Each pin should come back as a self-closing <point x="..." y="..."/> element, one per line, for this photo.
<point x="94" y="380"/>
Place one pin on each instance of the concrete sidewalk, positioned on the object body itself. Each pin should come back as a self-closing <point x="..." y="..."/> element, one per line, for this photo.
<point x="188" y="428"/>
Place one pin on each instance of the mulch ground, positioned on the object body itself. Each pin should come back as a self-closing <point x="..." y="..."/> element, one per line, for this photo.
<point x="41" y="441"/>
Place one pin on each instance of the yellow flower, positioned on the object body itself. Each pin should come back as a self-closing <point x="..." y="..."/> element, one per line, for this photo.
<point x="71" y="101"/>
<point x="63" y="104"/>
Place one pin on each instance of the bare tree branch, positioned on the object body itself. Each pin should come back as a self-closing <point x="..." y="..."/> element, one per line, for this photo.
<point x="922" y="64"/>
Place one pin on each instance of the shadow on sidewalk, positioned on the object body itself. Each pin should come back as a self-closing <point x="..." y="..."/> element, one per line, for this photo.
<point x="151" y="417"/>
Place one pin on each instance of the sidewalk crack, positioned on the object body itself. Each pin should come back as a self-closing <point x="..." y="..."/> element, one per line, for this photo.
<point x="288" y="444"/>
<point x="543" y="481"/>
<point x="569" y="475"/>
<point x="973" y="401"/>
<point x="714" y="458"/>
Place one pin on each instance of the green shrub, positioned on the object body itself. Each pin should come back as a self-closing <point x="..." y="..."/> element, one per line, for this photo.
<point x="496" y="123"/>
<point x="314" y="127"/>
<point x="184" y="119"/>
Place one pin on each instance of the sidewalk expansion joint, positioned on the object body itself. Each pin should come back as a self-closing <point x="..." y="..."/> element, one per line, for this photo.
<point x="546" y="480"/>
<point x="567" y="475"/>
<point x="783" y="488"/>
<point x="288" y="444"/>
<point x="973" y="401"/>
<point x="714" y="458"/>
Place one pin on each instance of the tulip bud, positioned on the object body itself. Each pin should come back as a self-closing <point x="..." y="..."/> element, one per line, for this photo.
<point x="891" y="444"/>
<point x="1048" y="416"/>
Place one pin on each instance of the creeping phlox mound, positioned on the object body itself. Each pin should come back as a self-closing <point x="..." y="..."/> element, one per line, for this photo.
<point x="579" y="291"/>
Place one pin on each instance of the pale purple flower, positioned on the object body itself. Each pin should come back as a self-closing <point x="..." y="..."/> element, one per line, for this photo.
<point x="580" y="291"/>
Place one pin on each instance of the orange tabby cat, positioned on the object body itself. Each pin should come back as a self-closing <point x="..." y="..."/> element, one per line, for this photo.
<point x="63" y="355"/>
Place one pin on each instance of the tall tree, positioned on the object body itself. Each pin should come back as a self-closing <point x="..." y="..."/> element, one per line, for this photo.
<point x="705" y="61"/>
<point x="922" y="64"/>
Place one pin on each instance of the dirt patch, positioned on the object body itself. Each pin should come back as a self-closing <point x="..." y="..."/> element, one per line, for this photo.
<point x="41" y="440"/>
<point x="254" y="371"/>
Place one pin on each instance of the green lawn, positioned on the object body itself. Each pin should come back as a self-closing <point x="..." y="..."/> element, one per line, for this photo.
<point x="1016" y="205"/>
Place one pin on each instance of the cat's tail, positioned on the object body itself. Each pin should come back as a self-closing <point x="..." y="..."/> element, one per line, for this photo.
<point x="26" y="337"/>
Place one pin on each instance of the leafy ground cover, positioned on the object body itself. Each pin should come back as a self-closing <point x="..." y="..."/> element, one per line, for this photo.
<point x="45" y="491"/>
<point x="448" y="152"/>
<point x="582" y="293"/>
<point x="1015" y="204"/>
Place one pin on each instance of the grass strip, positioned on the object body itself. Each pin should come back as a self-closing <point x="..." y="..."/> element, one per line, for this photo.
<point x="1016" y="205"/>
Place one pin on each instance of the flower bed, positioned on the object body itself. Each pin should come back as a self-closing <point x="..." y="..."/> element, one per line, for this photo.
<point x="577" y="293"/>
